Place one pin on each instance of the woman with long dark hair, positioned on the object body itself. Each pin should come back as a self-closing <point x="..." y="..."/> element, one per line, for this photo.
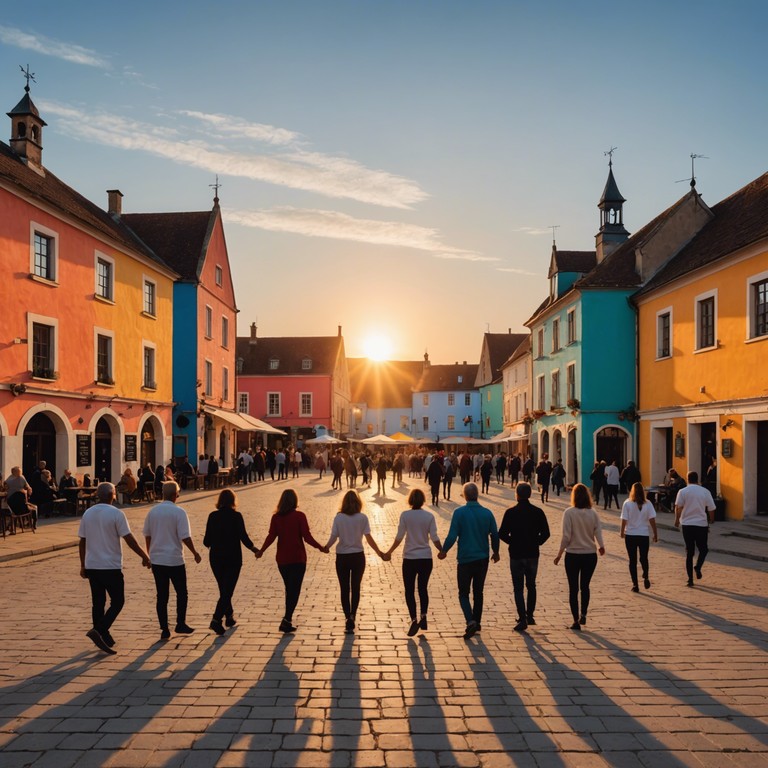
<point x="225" y="534"/>
<point x="349" y="527"/>
<point x="290" y="527"/>
<point x="417" y="526"/>
<point x="581" y="529"/>
<point x="638" y="519"/>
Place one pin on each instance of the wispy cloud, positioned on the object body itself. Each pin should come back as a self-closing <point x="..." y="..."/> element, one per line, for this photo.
<point x="296" y="168"/>
<point x="340" y="226"/>
<point x="46" y="46"/>
<point x="516" y="271"/>
<point x="228" y="125"/>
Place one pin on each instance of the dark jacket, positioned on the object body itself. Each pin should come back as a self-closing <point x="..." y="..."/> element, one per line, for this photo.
<point x="435" y="473"/>
<point x="224" y="533"/>
<point x="524" y="528"/>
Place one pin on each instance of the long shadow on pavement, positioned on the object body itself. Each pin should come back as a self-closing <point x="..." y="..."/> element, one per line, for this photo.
<point x="346" y="713"/>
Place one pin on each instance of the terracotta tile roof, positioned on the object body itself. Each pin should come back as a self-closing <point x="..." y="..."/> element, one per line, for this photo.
<point x="180" y="239"/>
<point x="574" y="261"/>
<point x="49" y="189"/>
<point x="544" y="304"/>
<point x="522" y="349"/>
<point x="445" y="378"/>
<point x="500" y="347"/>
<point x="386" y="384"/>
<point x="738" y="221"/>
<point x="290" y="352"/>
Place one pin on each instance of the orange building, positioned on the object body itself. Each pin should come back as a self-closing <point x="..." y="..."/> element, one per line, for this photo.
<point x="703" y="339"/>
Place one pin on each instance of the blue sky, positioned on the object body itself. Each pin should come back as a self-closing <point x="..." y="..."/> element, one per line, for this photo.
<point x="392" y="167"/>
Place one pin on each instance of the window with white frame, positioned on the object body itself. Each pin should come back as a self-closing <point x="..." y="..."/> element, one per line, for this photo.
<point x="425" y="423"/>
<point x="306" y="364"/>
<point x="451" y="399"/>
<point x="104" y="356"/>
<point x="467" y="399"/>
<point x="273" y="404"/>
<point x="540" y="343"/>
<point x="105" y="277"/>
<point x="570" y="382"/>
<point x="274" y="364"/>
<point x="149" y="380"/>
<point x="556" y="334"/>
<point x="664" y="333"/>
<point x="555" y="389"/>
<point x="425" y="400"/>
<point x="305" y="403"/>
<point x="208" y="378"/>
<point x="43" y="349"/>
<point x="218" y="275"/>
<point x="242" y="402"/>
<point x="706" y="320"/>
<point x="403" y="423"/>
<point x="451" y="421"/>
<point x="225" y="383"/>
<point x="208" y="322"/>
<point x="541" y="393"/>
<point x="757" y="306"/>
<point x="150" y="297"/>
<point x="224" y="332"/>
<point x="44" y="254"/>
<point x="571" y="326"/>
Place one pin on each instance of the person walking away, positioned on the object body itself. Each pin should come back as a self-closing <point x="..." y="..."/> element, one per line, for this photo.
<point x="694" y="510"/>
<point x="543" y="476"/>
<point x="434" y="478"/>
<point x="473" y="526"/>
<point x="448" y="476"/>
<point x="271" y="462"/>
<point x="225" y="535"/>
<point x="486" y="470"/>
<point x="581" y="529"/>
<point x="337" y="468"/>
<point x="349" y="527"/>
<point x="638" y="519"/>
<point x="558" y="476"/>
<point x="524" y="528"/>
<point x="465" y="467"/>
<point x="514" y="467"/>
<point x="629" y="476"/>
<point x="350" y="470"/>
<point x="381" y="475"/>
<point x="366" y="467"/>
<point x="320" y="465"/>
<point x="597" y="477"/>
<point x="282" y="473"/>
<point x="103" y="528"/>
<point x="417" y="526"/>
<point x="290" y="527"/>
<point x="166" y="529"/>
<point x="528" y="469"/>
<point x="612" y="480"/>
<point x="501" y="467"/>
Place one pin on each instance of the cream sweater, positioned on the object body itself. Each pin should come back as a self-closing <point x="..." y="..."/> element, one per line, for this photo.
<point x="581" y="527"/>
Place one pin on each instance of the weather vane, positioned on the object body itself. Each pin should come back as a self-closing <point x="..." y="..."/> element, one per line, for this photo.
<point x="553" y="227"/>
<point x="610" y="155"/>
<point x="29" y="75"/>
<point x="692" y="180"/>
<point x="216" y="187"/>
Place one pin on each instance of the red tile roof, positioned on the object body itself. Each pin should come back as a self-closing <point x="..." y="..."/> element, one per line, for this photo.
<point x="290" y="352"/>
<point x="445" y="378"/>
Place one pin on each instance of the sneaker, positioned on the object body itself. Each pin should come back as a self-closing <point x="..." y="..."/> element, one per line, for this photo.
<point x="217" y="627"/>
<point x="530" y="621"/>
<point x="583" y="619"/>
<point x="165" y="633"/>
<point x="230" y="621"/>
<point x="689" y="583"/>
<point x="470" y="630"/>
<point x="635" y="588"/>
<point x="94" y="636"/>
<point x="286" y="627"/>
<point x="349" y="627"/>
<point x="413" y="629"/>
<point x="647" y="582"/>
<point x="697" y="571"/>
<point x="183" y="629"/>
<point x="423" y="623"/>
<point x="521" y="626"/>
<point x="576" y="626"/>
<point x="108" y="639"/>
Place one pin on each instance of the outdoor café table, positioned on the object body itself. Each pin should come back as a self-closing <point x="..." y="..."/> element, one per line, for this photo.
<point x="655" y="494"/>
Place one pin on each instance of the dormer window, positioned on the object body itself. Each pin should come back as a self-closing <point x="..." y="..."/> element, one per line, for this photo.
<point x="553" y="287"/>
<point x="306" y="364"/>
<point x="460" y="378"/>
<point x="274" y="364"/>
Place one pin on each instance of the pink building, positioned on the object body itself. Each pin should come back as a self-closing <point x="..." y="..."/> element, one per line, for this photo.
<point x="294" y="383"/>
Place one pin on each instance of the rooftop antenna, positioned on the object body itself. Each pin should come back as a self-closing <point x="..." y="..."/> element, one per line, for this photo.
<point x="487" y="327"/>
<point x="29" y="75"/>
<point x="553" y="227"/>
<point x="216" y="187"/>
<point x="610" y="155"/>
<point x="692" y="180"/>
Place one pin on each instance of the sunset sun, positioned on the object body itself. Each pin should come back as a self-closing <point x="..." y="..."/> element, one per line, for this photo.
<point x="377" y="347"/>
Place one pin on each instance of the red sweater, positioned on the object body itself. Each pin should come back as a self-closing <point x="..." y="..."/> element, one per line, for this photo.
<point x="291" y="531"/>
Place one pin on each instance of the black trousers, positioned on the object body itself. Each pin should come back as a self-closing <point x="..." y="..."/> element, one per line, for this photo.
<point x="447" y="481"/>
<point x="635" y="545"/>
<point x="612" y="492"/>
<point x="695" y="537"/>
<point x="472" y="576"/>
<point x="418" y="569"/>
<point x="103" y="583"/>
<point x="349" y="570"/>
<point x="165" y="575"/>
<point x="226" y="575"/>
<point x="579" y="569"/>
<point x="524" y="572"/>
<point x="293" y="577"/>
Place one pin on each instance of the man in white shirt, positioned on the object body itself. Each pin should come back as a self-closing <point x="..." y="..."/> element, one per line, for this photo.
<point x="694" y="509"/>
<point x="612" y="480"/>
<point x="102" y="528"/>
<point x="166" y="528"/>
<point x="246" y="460"/>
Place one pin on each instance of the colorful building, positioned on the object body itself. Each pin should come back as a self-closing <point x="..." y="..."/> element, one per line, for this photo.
<point x="703" y="336"/>
<point x="516" y="393"/>
<point x="87" y="324"/>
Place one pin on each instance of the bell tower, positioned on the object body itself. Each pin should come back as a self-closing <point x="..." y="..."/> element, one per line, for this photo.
<point x="611" y="205"/>
<point x="27" y="128"/>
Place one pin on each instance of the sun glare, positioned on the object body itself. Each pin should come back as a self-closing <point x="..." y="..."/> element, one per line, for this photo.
<point x="377" y="347"/>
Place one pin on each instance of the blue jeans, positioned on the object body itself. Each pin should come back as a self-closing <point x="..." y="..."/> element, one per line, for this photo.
<point x="472" y="575"/>
<point x="524" y="572"/>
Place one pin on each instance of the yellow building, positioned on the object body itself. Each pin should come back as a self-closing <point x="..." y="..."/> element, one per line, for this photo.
<point x="702" y="351"/>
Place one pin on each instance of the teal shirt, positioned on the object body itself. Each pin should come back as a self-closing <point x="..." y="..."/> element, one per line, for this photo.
<point x="473" y="525"/>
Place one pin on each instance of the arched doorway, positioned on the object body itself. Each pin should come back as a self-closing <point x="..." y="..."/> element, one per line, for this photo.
<point x="557" y="447"/>
<point x="544" y="443"/>
<point x="148" y="444"/>
<point x="39" y="444"/>
<point x="103" y="459"/>
<point x="572" y="461"/>
<point x="611" y="445"/>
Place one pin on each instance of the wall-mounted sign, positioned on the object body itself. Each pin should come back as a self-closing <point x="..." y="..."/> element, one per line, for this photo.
<point x="680" y="447"/>
<point x="726" y="448"/>
<point x="131" y="453"/>
<point x="84" y="451"/>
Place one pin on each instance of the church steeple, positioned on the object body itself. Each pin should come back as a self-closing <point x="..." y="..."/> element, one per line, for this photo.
<point x="27" y="128"/>
<point x="611" y="205"/>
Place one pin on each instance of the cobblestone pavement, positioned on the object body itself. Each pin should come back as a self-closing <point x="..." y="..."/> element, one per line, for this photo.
<point x="668" y="677"/>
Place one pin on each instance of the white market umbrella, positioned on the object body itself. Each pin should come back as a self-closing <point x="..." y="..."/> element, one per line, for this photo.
<point x="379" y="440"/>
<point x="324" y="440"/>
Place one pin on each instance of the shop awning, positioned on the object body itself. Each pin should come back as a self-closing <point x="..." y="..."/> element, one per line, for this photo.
<point x="235" y="419"/>
<point x="257" y="425"/>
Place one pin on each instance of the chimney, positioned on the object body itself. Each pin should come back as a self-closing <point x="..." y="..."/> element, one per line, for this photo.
<point x="339" y="331"/>
<point x="426" y="360"/>
<point x="114" y="202"/>
<point x="253" y="339"/>
<point x="509" y="330"/>
<point x="464" y="363"/>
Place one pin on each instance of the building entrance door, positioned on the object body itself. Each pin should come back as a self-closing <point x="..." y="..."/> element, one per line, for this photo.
<point x="103" y="460"/>
<point x="39" y="445"/>
<point x="762" y="468"/>
<point x="612" y="446"/>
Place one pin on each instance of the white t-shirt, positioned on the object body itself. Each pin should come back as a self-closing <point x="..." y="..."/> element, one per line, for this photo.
<point x="349" y="530"/>
<point x="695" y="500"/>
<point x="202" y="467"/>
<point x="417" y="527"/>
<point x="637" y="518"/>
<point x="297" y="457"/>
<point x="612" y="476"/>
<point x="103" y="528"/>
<point x="168" y="525"/>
